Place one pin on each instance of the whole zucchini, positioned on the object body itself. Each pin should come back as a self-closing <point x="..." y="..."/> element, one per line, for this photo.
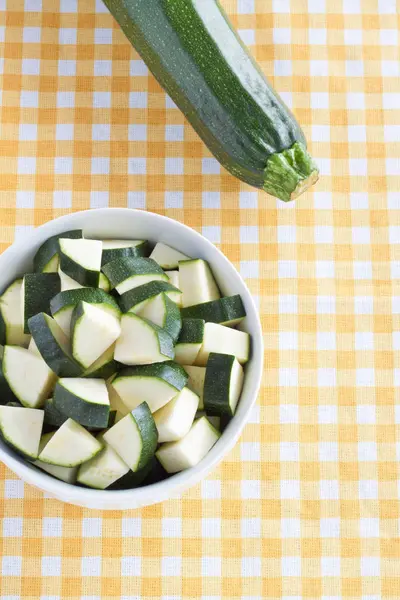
<point x="195" y="54"/>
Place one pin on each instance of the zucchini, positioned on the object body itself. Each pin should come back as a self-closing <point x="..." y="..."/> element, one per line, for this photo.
<point x="93" y="331"/>
<point x="228" y="311"/>
<point x="83" y="400"/>
<point x="222" y="385"/>
<point x="155" y="384"/>
<point x="167" y="257"/>
<point x="28" y="376"/>
<point x="215" y="421"/>
<point x="224" y="340"/>
<point x="104" y="283"/>
<point x="104" y="367"/>
<point x="195" y="382"/>
<point x="163" y="312"/>
<point x="67" y="283"/>
<point x="67" y="474"/>
<point x="189" y="341"/>
<point x="11" y="320"/>
<point x="52" y="416"/>
<point x="53" y="345"/>
<point x="191" y="449"/>
<point x="116" y="404"/>
<point x="36" y="293"/>
<point x="81" y="260"/>
<point x="136" y="299"/>
<point x="104" y="469"/>
<point x="142" y="342"/>
<point x="69" y="446"/>
<point x="46" y="259"/>
<point x="6" y="393"/>
<point x="133" y="479"/>
<point x="197" y="282"/>
<point x="134" y="437"/>
<point x="21" y="429"/>
<point x="173" y="277"/>
<point x="33" y="348"/>
<point x="128" y="273"/>
<point x="113" y="249"/>
<point x="63" y="304"/>
<point x="174" y="420"/>
<point x="211" y="76"/>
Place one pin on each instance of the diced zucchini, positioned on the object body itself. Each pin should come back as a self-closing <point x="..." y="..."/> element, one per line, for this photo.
<point x="52" y="416"/>
<point x="224" y="340"/>
<point x="70" y="446"/>
<point x="83" y="400"/>
<point x="142" y="343"/>
<point x="67" y="283"/>
<point x="128" y="273"/>
<point x="21" y="429"/>
<point x="215" y="421"/>
<point x="46" y="258"/>
<point x="174" y="280"/>
<point x="197" y="282"/>
<point x="191" y="449"/>
<point x="163" y="312"/>
<point x="67" y="474"/>
<point x="136" y="299"/>
<point x="104" y="283"/>
<point x="190" y="341"/>
<point x="33" y="348"/>
<point x="228" y="311"/>
<point x="53" y="345"/>
<point x="93" y="331"/>
<point x="133" y="479"/>
<point x="167" y="257"/>
<point x="28" y="376"/>
<point x="155" y="384"/>
<point x="6" y="393"/>
<point x="134" y="437"/>
<point x="104" y="469"/>
<point x="174" y="420"/>
<point x="113" y="249"/>
<point x="116" y="404"/>
<point x="64" y="303"/>
<point x="36" y="293"/>
<point x="81" y="260"/>
<point x="156" y="473"/>
<point x="104" y="366"/>
<point x="222" y="385"/>
<point x="196" y="379"/>
<point x="11" y="320"/>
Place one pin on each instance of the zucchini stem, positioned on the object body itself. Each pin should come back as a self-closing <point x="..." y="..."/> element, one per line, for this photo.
<point x="290" y="173"/>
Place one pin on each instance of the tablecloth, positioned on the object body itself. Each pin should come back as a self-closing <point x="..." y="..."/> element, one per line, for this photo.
<point x="307" y="504"/>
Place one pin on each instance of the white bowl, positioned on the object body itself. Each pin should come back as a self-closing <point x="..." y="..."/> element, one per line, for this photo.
<point x="132" y="224"/>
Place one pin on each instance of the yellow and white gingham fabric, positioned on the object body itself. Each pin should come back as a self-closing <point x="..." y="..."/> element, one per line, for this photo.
<point x="306" y="507"/>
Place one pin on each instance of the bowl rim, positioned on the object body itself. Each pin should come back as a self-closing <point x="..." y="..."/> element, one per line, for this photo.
<point x="179" y="482"/>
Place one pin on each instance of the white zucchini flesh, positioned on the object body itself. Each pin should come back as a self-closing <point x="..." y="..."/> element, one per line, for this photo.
<point x="104" y="283"/>
<point x="174" y="280"/>
<point x="52" y="265"/>
<point x="29" y="377"/>
<point x="116" y="403"/>
<point x="104" y="469"/>
<point x="86" y="253"/>
<point x="33" y="348"/>
<point x="10" y="306"/>
<point x="186" y="354"/>
<point x="197" y="376"/>
<point x="215" y="421"/>
<point x="135" y="390"/>
<point x="90" y="390"/>
<point x="70" y="445"/>
<point x="167" y="257"/>
<point x="191" y="449"/>
<point x="67" y="283"/>
<point x="92" y="333"/>
<point x="140" y="342"/>
<point x="197" y="282"/>
<point x="174" y="420"/>
<point x="64" y="316"/>
<point x="67" y="474"/>
<point x="224" y="340"/>
<point x="137" y="280"/>
<point x="22" y="428"/>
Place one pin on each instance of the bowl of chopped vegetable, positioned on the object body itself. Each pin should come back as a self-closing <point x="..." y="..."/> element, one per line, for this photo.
<point x="131" y="357"/>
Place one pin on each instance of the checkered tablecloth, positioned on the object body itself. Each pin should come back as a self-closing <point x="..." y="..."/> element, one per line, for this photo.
<point x="306" y="507"/>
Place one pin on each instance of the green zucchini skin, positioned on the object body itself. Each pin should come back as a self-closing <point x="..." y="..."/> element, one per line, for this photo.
<point x="169" y="371"/>
<point x="50" y="248"/>
<point x="132" y="298"/>
<point x="195" y="54"/>
<point x="223" y="311"/>
<point x="39" y="290"/>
